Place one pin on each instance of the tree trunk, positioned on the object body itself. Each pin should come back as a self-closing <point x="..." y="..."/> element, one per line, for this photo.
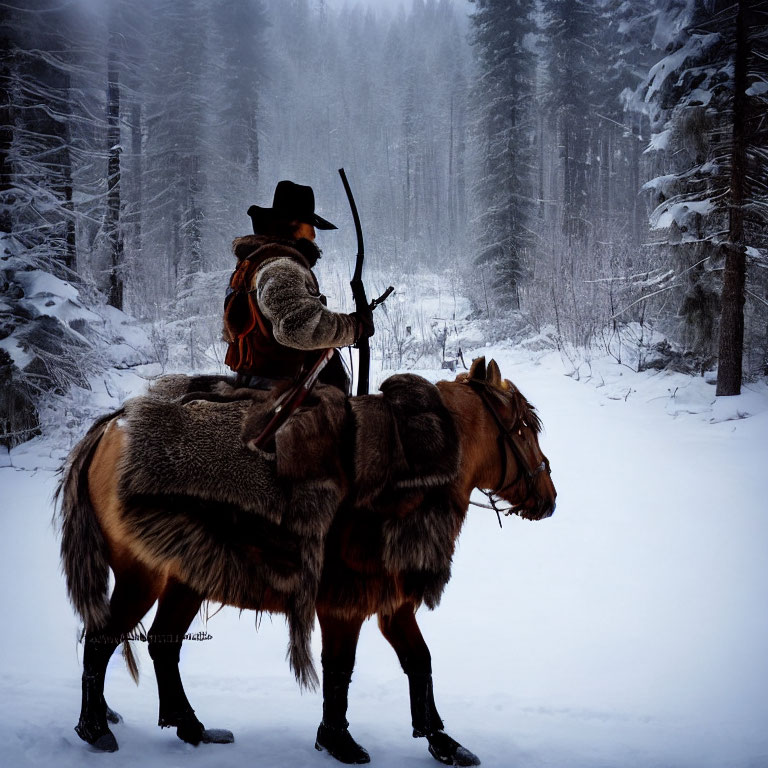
<point x="70" y="253"/>
<point x="540" y="144"/>
<point x="407" y="195"/>
<point x="567" y="184"/>
<point x="138" y="174"/>
<point x="732" y="302"/>
<point x="6" y="136"/>
<point x="638" y="219"/>
<point x="114" y="234"/>
<point x="451" y="183"/>
<point x="194" y="216"/>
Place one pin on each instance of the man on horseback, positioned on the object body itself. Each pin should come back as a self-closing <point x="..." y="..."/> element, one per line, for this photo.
<point x="276" y="321"/>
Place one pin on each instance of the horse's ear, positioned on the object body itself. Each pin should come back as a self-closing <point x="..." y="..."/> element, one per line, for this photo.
<point x="493" y="375"/>
<point x="477" y="370"/>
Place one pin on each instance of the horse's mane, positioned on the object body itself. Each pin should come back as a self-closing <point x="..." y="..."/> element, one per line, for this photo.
<point x="523" y="413"/>
<point x="522" y="409"/>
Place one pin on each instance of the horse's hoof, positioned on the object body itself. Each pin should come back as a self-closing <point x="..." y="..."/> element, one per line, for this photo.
<point x="217" y="736"/>
<point x="194" y="732"/>
<point x="113" y="717"/>
<point x="104" y="741"/>
<point x="338" y="743"/>
<point x="191" y="731"/>
<point x="448" y="751"/>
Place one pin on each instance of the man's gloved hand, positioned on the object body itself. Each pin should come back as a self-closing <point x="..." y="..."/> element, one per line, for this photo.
<point x="364" y="324"/>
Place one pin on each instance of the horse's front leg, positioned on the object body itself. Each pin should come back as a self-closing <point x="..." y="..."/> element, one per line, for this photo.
<point x="402" y="631"/>
<point x="340" y="637"/>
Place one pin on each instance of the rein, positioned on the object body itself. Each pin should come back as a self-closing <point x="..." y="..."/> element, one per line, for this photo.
<point x="507" y="437"/>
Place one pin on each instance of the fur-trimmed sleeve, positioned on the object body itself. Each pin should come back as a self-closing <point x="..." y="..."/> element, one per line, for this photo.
<point x="286" y="296"/>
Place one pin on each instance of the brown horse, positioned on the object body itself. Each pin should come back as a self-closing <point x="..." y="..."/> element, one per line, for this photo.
<point x="497" y="431"/>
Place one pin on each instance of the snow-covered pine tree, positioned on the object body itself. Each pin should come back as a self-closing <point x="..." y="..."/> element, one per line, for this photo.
<point x="234" y="79"/>
<point x="42" y="347"/>
<point x="504" y="91"/>
<point x="624" y="41"/>
<point x="570" y="50"/>
<point x="55" y="331"/>
<point x="133" y="17"/>
<point x="114" y="150"/>
<point x="173" y="183"/>
<point x="748" y="190"/>
<point x="711" y="195"/>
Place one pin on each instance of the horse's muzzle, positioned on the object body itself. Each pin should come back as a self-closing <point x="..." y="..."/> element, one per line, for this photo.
<point x="546" y="502"/>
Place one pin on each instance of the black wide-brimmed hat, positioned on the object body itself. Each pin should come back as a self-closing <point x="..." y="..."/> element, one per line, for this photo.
<point x="291" y="202"/>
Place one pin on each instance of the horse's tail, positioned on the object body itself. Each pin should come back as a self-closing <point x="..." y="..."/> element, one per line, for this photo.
<point x="130" y="661"/>
<point x="84" y="556"/>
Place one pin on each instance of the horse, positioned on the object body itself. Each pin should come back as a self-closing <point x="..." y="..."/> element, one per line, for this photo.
<point x="496" y="430"/>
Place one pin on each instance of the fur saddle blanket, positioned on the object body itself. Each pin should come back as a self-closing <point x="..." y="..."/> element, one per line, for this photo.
<point x="193" y="493"/>
<point x="246" y="524"/>
<point x="406" y="463"/>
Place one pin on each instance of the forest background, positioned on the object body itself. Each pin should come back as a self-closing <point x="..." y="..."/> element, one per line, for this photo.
<point x="592" y="173"/>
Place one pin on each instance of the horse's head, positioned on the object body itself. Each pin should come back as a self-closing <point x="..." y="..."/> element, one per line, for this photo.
<point x="506" y="428"/>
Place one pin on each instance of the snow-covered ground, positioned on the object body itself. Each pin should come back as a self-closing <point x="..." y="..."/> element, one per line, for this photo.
<point x="630" y="629"/>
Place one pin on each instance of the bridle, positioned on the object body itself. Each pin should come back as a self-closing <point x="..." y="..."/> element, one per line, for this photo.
<point x="507" y="437"/>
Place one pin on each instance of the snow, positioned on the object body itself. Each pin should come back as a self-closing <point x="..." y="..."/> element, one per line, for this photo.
<point x="627" y="630"/>
<point x="761" y="254"/>
<point x="45" y="294"/>
<point x="699" y="97"/>
<point x="679" y="213"/>
<point x="19" y="355"/>
<point x="659" y="141"/>
<point x="127" y="343"/>
<point x="670" y="21"/>
<point x="662" y="183"/>
<point x="36" y="283"/>
<point x="757" y="89"/>
<point x="131" y="344"/>
<point x="692" y="49"/>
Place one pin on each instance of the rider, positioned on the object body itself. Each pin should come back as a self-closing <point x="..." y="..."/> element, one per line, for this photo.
<point x="276" y="321"/>
<point x="277" y="325"/>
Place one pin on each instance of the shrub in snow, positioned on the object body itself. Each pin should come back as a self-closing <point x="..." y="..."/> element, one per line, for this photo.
<point x="50" y="342"/>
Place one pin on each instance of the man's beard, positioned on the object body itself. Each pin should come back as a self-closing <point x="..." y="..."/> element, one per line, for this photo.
<point x="308" y="249"/>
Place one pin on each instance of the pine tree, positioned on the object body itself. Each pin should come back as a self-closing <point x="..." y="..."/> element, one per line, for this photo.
<point x="114" y="149"/>
<point x="43" y="337"/>
<point x="234" y="78"/>
<point x="748" y="203"/>
<point x="624" y="41"/>
<point x="707" y="106"/>
<point x="570" y="28"/>
<point x="174" y="182"/>
<point x="504" y="95"/>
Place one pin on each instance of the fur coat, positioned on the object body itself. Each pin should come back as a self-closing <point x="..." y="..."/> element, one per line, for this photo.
<point x="288" y="294"/>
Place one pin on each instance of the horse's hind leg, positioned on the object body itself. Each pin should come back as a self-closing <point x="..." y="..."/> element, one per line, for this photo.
<point x="132" y="597"/>
<point x="176" y="608"/>
<point x="403" y="633"/>
<point x="338" y="658"/>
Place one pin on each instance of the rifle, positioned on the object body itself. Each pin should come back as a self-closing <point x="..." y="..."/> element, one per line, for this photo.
<point x="290" y="401"/>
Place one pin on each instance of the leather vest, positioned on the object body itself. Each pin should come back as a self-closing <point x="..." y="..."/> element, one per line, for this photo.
<point x="253" y="349"/>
